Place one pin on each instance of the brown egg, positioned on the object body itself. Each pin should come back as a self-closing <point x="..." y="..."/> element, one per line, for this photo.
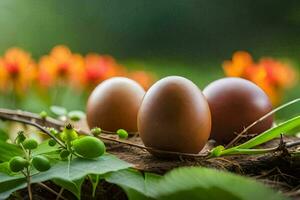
<point x="174" y="116"/>
<point x="235" y="103"/>
<point x="114" y="104"/>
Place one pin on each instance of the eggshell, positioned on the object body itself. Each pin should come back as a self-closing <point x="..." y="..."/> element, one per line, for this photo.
<point x="114" y="104"/>
<point x="235" y="103"/>
<point x="174" y="116"/>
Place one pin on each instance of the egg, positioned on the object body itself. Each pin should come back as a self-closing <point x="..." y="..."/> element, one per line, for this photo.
<point x="114" y="104"/>
<point x="235" y="103"/>
<point x="174" y="116"/>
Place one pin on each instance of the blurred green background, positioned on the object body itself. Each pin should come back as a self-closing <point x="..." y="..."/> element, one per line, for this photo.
<point x="188" y="30"/>
<point x="189" y="38"/>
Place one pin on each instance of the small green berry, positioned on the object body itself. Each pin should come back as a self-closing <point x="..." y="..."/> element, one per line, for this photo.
<point x="122" y="133"/>
<point x="96" y="131"/>
<point x="17" y="164"/>
<point x="89" y="147"/>
<point x="51" y="142"/>
<point x="43" y="114"/>
<point x="53" y="131"/>
<point x="21" y="137"/>
<point x="41" y="163"/>
<point x="64" y="154"/>
<point x="30" y="144"/>
<point x="69" y="134"/>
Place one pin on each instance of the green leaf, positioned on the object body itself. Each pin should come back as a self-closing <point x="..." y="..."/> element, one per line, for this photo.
<point x="9" y="184"/>
<point x="133" y="182"/>
<point x="4" y="168"/>
<point x="95" y="181"/>
<point x="72" y="186"/>
<point x="7" y="151"/>
<point x="44" y="148"/>
<point x="191" y="183"/>
<point x="204" y="183"/>
<point x="78" y="169"/>
<point x="271" y="133"/>
<point x="264" y="137"/>
<point x="58" y="110"/>
<point x="76" y="115"/>
<point x="3" y="135"/>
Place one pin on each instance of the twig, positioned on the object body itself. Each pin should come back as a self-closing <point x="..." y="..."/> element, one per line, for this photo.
<point x="60" y="194"/>
<point x="36" y="120"/>
<point x="32" y="123"/>
<point x="18" y="116"/>
<point x="51" y="190"/>
<point x="238" y="137"/>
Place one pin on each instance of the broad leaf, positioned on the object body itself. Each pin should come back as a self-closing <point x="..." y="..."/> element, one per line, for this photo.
<point x="72" y="186"/>
<point x="9" y="184"/>
<point x="191" y="183"/>
<point x="204" y="183"/>
<point x="7" y="151"/>
<point x="134" y="183"/>
<point x="3" y="135"/>
<point x="44" y="148"/>
<point x="78" y="169"/>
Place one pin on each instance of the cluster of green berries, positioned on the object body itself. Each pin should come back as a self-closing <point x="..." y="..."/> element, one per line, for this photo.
<point x="123" y="134"/>
<point x="85" y="146"/>
<point x="19" y="163"/>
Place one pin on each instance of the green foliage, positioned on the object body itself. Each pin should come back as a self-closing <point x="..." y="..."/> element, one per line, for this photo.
<point x="64" y="174"/>
<point x="76" y="115"/>
<point x="44" y="148"/>
<point x="191" y="183"/>
<point x="7" y="151"/>
<point x="3" y="135"/>
<point x="266" y="136"/>
<point x="72" y="186"/>
<point x="58" y="110"/>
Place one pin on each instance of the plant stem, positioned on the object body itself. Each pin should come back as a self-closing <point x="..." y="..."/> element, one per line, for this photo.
<point x="51" y="190"/>
<point x="280" y="147"/>
<point x="28" y="178"/>
<point x="32" y="123"/>
<point x="238" y="137"/>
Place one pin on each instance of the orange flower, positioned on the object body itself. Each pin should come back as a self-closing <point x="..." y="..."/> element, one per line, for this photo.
<point x="101" y="67"/>
<point x="279" y="74"/>
<point x="61" y="66"/>
<point x="3" y="76"/>
<point x="237" y="67"/>
<point x="19" y="67"/>
<point x="271" y="75"/>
